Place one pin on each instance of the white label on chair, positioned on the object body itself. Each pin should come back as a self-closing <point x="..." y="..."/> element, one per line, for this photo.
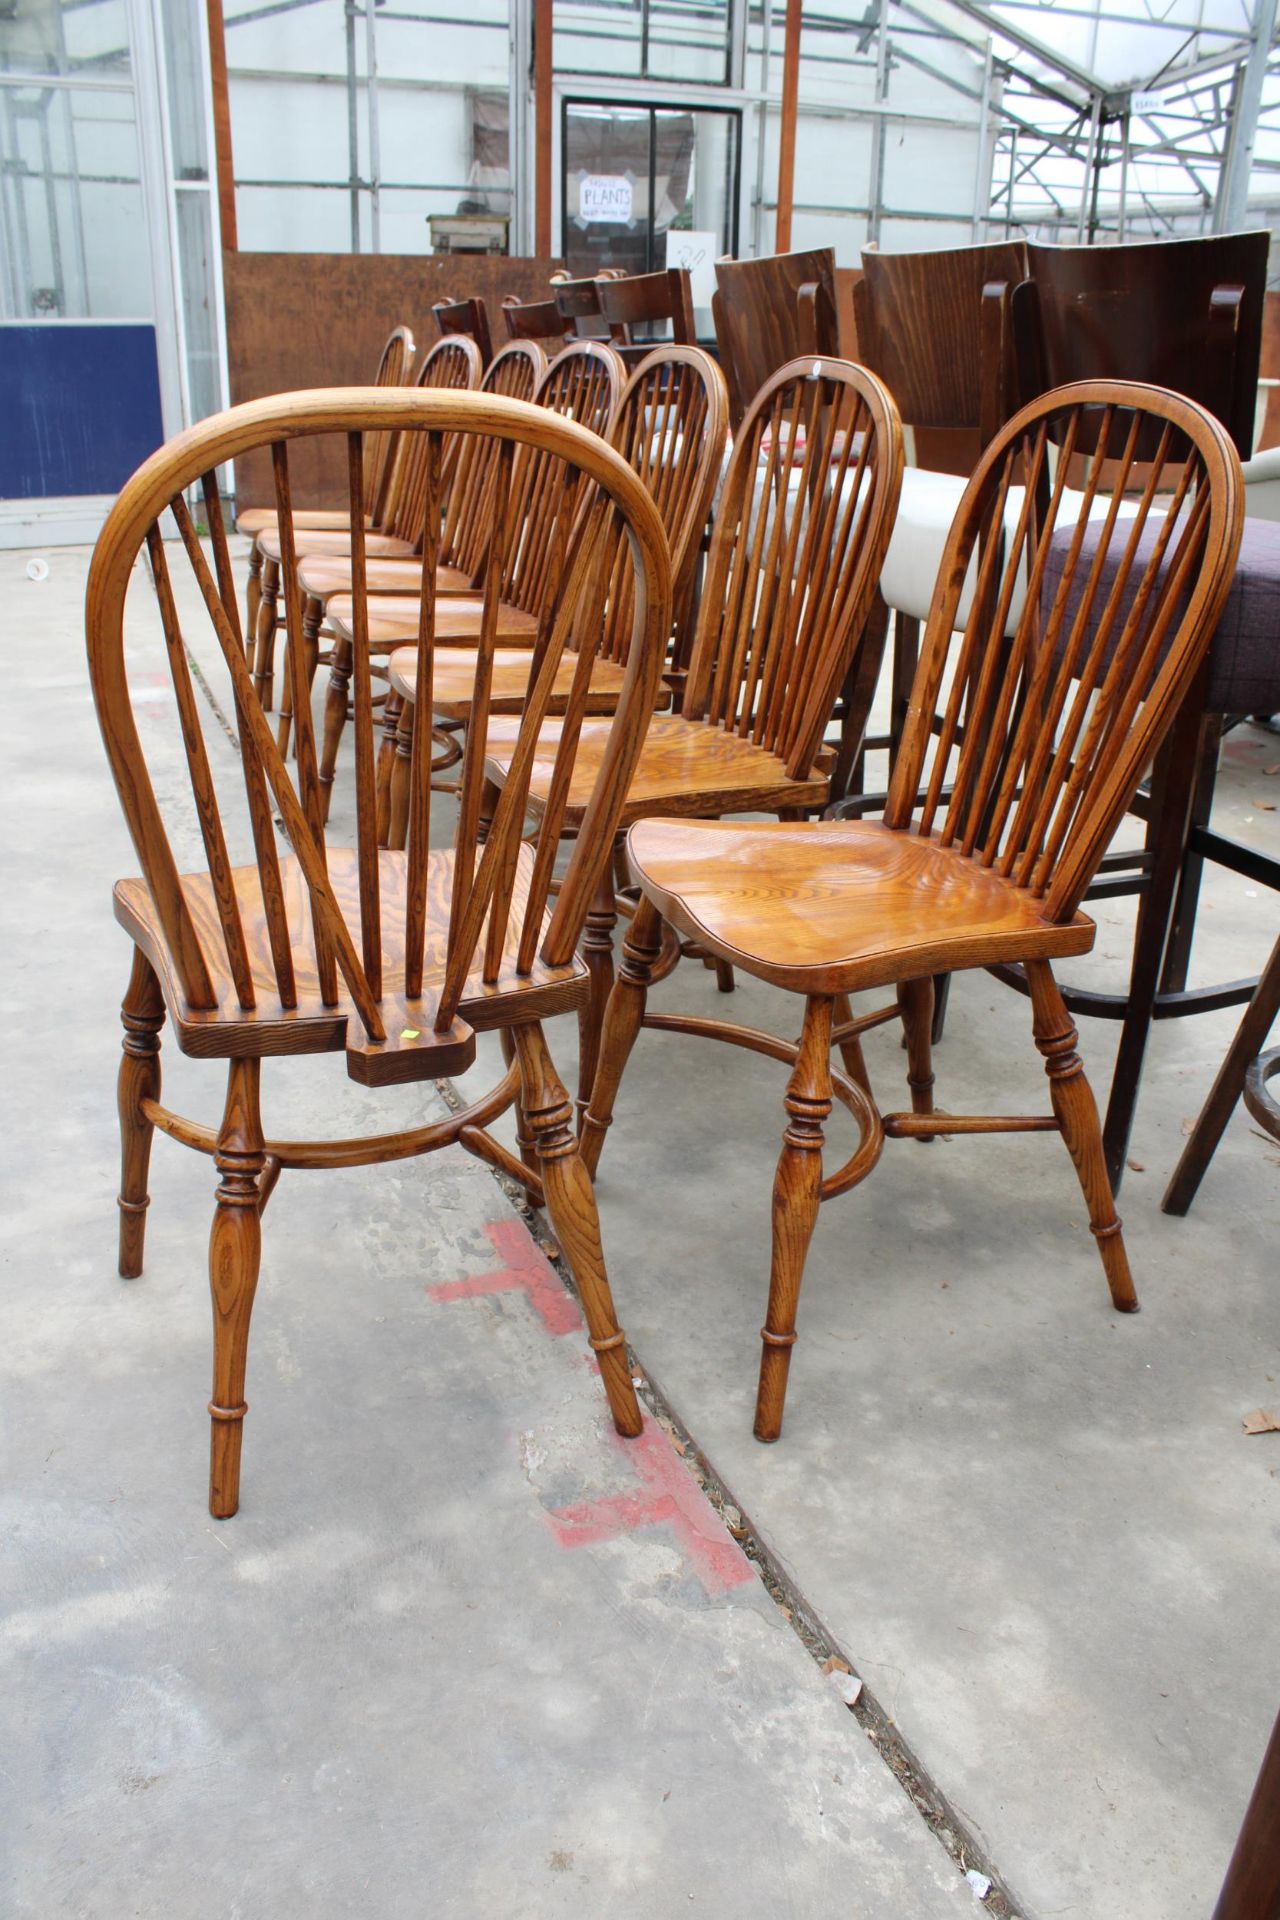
<point x="604" y="196"/>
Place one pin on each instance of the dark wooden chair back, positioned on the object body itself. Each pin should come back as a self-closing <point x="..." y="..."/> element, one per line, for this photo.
<point x="469" y="317"/>
<point x="936" y="327"/>
<point x="646" y="300"/>
<point x="514" y="373"/>
<point x="539" y="320"/>
<point x="1182" y="314"/>
<point x="799" y="541"/>
<point x="578" y="304"/>
<point x="768" y="311"/>
<point x="1044" y="737"/>
<point x="395" y="958"/>
<point x="670" y="427"/>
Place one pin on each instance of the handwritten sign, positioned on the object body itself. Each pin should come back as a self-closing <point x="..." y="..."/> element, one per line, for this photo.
<point x="604" y="196"/>
<point x="696" y="252"/>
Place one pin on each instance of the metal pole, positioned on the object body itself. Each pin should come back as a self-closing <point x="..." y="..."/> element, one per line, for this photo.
<point x="982" y="175"/>
<point x="875" y="194"/>
<point x="1013" y="169"/>
<point x="371" y="109"/>
<point x="353" y="127"/>
<point x="1124" y="175"/>
<point x="1095" y="120"/>
<point x="1233" y="187"/>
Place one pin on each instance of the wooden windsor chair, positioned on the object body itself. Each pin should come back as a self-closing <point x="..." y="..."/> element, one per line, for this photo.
<point x="469" y="317"/>
<point x="393" y="365"/>
<point x="451" y="363"/>
<point x="799" y="538"/>
<point x="670" y="427"/>
<point x="394" y="960"/>
<point x="649" y="300"/>
<point x="766" y="312"/>
<point x="584" y="383"/>
<point x="539" y="320"/>
<point x="995" y="821"/>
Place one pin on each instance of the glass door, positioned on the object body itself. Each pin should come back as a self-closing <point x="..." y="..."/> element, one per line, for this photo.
<point x="636" y="177"/>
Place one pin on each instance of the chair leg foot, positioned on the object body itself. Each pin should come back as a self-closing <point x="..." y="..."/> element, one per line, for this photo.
<point x="235" y="1247"/>
<point x="571" y="1206"/>
<point x="916" y="1006"/>
<point x="142" y="1016"/>
<point x="1077" y="1117"/>
<point x="796" y="1195"/>
<point x="622" y="1020"/>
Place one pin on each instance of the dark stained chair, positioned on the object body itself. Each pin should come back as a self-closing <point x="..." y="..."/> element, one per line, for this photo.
<point x="643" y="304"/>
<point x="469" y="317"/>
<point x="391" y="961"/>
<point x="767" y="312"/>
<point x="1188" y="315"/>
<point x="539" y="320"/>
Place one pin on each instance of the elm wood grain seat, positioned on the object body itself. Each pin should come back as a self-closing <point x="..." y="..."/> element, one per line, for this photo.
<point x="469" y="317"/>
<point x="451" y="364"/>
<point x="584" y="383"/>
<point x="994" y="825"/>
<point x="1246" y="1069"/>
<point x="393" y="960"/>
<point x="393" y="365"/>
<point x="670" y="427"/>
<point x="798" y="542"/>
<point x="768" y="311"/>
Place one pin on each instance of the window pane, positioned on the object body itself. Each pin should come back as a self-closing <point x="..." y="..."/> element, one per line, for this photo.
<point x="50" y="36"/>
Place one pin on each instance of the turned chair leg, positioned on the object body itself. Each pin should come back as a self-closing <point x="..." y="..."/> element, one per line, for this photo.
<point x="797" y="1189"/>
<point x="915" y="1005"/>
<point x="264" y="649"/>
<point x="1077" y="1117"/>
<point x="235" y="1247"/>
<point x="312" y="620"/>
<point x="142" y="1016"/>
<point x="386" y="763"/>
<point x="524" y="1133"/>
<point x="398" y="821"/>
<point x="335" y="717"/>
<point x="597" y="950"/>
<point x="253" y="597"/>
<point x="852" y="1057"/>
<point x="571" y="1207"/>
<point x="623" y="1016"/>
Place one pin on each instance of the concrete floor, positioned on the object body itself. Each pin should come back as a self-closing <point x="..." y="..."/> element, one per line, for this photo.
<point x="392" y="1685"/>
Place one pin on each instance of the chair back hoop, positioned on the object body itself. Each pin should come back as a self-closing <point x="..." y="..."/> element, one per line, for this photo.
<point x="936" y="327"/>
<point x="799" y="540"/>
<point x="285" y="940"/>
<point x="771" y="310"/>
<point x="1066" y="629"/>
<point x="670" y="427"/>
<point x="453" y="364"/>
<point x="468" y="317"/>
<point x="394" y="363"/>
<point x="1181" y="314"/>
<point x="578" y="303"/>
<point x="647" y="299"/>
<point x="515" y="372"/>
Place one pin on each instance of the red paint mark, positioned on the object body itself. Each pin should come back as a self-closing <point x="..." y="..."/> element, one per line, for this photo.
<point x="523" y="1271"/>
<point x="667" y="1495"/>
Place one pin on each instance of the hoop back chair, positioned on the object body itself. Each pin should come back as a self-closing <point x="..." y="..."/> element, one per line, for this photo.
<point x="799" y="538"/>
<point x="670" y="427"/>
<point x="539" y="320"/>
<point x="393" y="364"/>
<point x="452" y="364"/>
<point x="996" y="819"/>
<point x="469" y="317"/>
<point x="768" y="311"/>
<point x="393" y="960"/>
<point x="584" y="383"/>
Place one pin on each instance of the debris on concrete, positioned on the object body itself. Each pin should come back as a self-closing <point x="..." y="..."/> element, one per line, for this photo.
<point x="1260" y="1421"/>
<point x="979" y="1882"/>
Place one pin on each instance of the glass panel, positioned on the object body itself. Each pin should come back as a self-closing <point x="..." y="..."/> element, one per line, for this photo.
<point x="183" y="22"/>
<point x="635" y="174"/>
<point x="72" y="214"/>
<point x="195" y="270"/>
<point x="645" y="39"/>
<point x="65" y="36"/>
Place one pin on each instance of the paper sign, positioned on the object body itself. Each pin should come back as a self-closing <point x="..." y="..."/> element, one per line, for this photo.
<point x="1146" y="102"/>
<point x="604" y="196"/>
<point x="696" y="252"/>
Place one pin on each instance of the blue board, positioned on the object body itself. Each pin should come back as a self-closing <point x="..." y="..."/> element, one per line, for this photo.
<point x="79" y="407"/>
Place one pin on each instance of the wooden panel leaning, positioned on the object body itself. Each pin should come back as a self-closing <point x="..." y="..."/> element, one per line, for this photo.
<point x="799" y="540"/>
<point x="670" y="428"/>
<point x="998" y="812"/>
<point x="393" y="368"/>
<point x="274" y="947"/>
